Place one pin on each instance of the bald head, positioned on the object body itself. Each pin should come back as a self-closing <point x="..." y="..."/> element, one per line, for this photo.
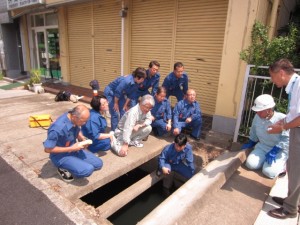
<point x="79" y="115"/>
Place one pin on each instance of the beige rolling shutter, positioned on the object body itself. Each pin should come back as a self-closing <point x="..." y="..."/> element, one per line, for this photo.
<point x="151" y="33"/>
<point x="107" y="30"/>
<point x="190" y="31"/>
<point x="80" y="43"/>
<point x="199" y="43"/>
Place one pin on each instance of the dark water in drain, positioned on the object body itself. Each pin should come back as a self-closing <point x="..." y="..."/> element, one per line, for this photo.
<point x="138" y="208"/>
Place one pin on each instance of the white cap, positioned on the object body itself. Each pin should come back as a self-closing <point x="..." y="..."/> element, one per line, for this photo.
<point x="263" y="102"/>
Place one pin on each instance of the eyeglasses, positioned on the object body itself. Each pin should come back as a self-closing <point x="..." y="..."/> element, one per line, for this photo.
<point x="148" y="108"/>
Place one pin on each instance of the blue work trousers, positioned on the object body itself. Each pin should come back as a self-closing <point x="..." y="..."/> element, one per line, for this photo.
<point x="160" y="125"/>
<point x="181" y="168"/>
<point x="195" y="125"/>
<point x="100" y="145"/>
<point x="80" y="164"/>
<point x="115" y="116"/>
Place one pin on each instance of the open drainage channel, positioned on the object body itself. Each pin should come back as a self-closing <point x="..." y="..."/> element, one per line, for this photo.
<point x="130" y="197"/>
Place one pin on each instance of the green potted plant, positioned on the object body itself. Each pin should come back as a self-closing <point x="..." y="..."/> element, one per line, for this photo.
<point x="35" y="80"/>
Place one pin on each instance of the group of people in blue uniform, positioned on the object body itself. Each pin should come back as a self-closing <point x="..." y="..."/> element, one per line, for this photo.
<point x="137" y="106"/>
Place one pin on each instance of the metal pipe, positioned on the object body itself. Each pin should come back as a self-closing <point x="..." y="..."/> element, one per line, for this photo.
<point x="273" y="18"/>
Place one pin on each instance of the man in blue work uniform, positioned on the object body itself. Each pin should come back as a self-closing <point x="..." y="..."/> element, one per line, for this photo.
<point x="95" y="127"/>
<point x="161" y="113"/>
<point x="177" y="157"/>
<point x="67" y="154"/>
<point x="121" y="92"/>
<point x="187" y="114"/>
<point x="176" y="83"/>
<point x="151" y="81"/>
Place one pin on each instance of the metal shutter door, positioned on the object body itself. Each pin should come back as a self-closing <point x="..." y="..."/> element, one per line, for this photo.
<point x="80" y="43"/>
<point x="107" y="30"/>
<point x="151" y="33"/>
<point x="199" y="44"/>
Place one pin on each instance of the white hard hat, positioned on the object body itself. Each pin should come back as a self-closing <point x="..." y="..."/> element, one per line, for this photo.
<point x="263" y="102"/>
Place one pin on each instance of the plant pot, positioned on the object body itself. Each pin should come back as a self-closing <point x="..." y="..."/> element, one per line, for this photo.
<point x="37" y="88"/>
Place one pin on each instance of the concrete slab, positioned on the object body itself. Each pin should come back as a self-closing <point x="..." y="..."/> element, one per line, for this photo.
<point x="26" y="144"/>
<point x="280" y="189"/>
<point x="113" y="168"/>
<point x="14" y="93"/>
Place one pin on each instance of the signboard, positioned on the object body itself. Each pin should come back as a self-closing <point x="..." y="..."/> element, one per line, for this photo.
<point x="15" y="4"/>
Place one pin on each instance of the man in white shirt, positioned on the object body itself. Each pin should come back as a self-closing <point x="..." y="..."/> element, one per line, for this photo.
<point x="282" y="74"/>
<point x="135" y="125"/>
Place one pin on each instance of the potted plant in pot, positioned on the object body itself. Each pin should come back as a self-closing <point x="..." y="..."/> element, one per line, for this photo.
<point x="35" y="80"/>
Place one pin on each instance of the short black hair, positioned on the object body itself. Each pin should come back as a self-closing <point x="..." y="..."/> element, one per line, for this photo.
<point x="154" y="62"/>
<point x="161" y="89"/>
<point x="95" y="102"/>
<point x="139" y="73"/>
<point x="178" y="64"/>
<point x="181" y="139"/>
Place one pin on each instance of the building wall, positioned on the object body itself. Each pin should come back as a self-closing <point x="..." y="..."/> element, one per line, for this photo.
<point x="206" y="36"/>
<point x="240" y="19"/>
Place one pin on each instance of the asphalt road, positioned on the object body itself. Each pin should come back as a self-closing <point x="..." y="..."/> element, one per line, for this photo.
<point x="22" y="203"/>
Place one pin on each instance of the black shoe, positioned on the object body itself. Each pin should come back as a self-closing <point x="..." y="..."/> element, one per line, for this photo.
<point x="155" y="131"/>
<point x="278" y="200"/>
<point x="280" y="213"/>
<point x="282" y="174"/>
<point x="65" y="175"/>
<point x="195" y="138"/>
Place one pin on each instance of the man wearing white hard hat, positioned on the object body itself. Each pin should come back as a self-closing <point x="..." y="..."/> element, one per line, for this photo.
<point x="270" y="150"/>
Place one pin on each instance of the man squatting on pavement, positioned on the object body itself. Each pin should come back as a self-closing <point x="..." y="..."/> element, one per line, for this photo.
<point x="69" y="156"/>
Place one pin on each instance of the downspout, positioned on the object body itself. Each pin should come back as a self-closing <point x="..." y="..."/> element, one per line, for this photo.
<point x="122" y="38"/>
<point x="273" y="19"/>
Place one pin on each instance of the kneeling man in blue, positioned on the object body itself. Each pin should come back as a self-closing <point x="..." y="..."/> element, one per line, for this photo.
<point x="177" y="157"/>
<point x="95" y="127"/>
<point x="187" y="114"/>
<point x="68" y="155"/>
<point x="161" y="113"/>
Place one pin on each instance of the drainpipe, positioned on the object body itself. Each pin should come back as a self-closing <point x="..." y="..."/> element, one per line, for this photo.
<point x="273" y="18"/>
<point x="122" y="35"/>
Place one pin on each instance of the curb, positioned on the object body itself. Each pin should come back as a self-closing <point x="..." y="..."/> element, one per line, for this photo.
<point x="55" y="91"/>
<point x="15" y="80"/>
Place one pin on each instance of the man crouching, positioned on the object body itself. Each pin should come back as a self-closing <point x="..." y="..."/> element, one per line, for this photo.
<point x="134" y="125"/>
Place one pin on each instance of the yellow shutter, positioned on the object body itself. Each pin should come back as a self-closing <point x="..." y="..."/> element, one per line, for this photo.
<point x="107" y="29"/>
<point x="189" y="31"/>
<point x="151" y="33"/>
<point x="199" y="44"/>
<point x="80" y="43"/>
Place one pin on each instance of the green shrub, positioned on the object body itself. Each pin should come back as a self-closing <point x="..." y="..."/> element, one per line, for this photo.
<point x="35" y="76"/>
<point x="263" y="52"/>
